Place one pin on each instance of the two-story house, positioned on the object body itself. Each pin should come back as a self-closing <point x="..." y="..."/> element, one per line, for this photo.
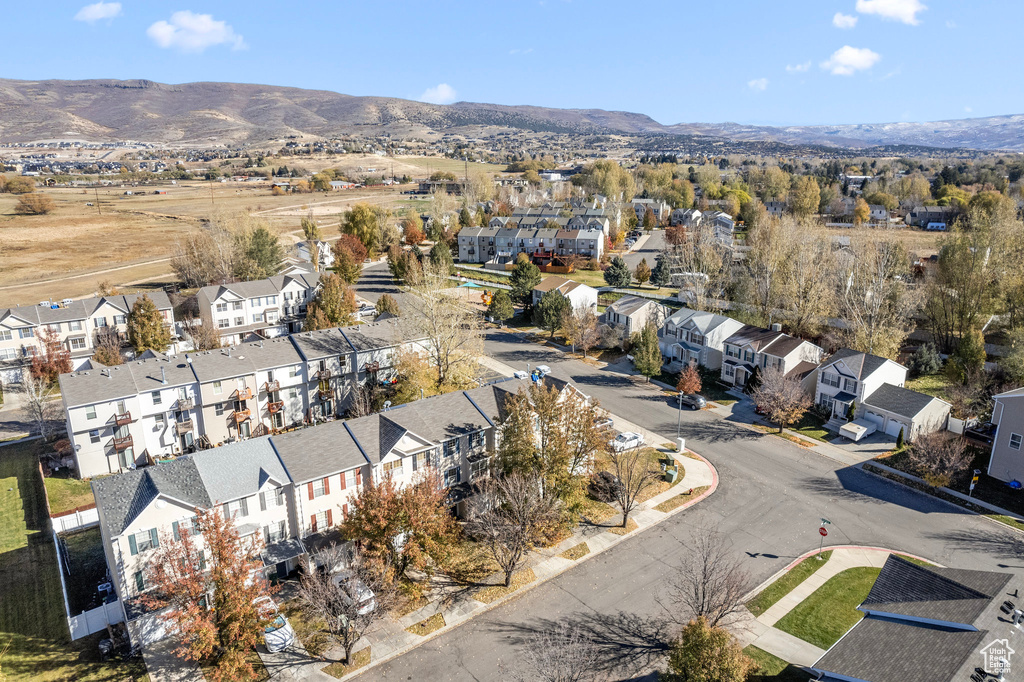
<point x="580" y="295"/>
<point x="850" y="376"/>
<point x="751" y="347"/>
<point x="697" y="336"/>
<point x="641" y="206"/>
<point x="630" y="314"/>
<point x="268" y="307"/>
<point x="1007" y="459"/>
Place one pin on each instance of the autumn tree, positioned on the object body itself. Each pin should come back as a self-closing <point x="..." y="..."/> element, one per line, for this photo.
<point x="937" y="457"/>
<point x="704" y="653"/>
<point x="642" y="273"/>
<point x="413" y="234"/>
<point x="334" y="595"/>
<point x="580" y="327"/>
<point x="764" y="270"/>
<point x="524" y="279"/>
<point x="875" y="299"/>
<point x="205" y="256"/>
<point x="402" y="527"/>
<point x="500" y="307"/>
<point x="333" y="306"/>
<point x="108" y="348"/>
<point x="646" y="352"/>
<point x="451" y="331"/>
<point x="33" y="204"/>
<point x="53" y="359"/>
<point x="861" y="212"/>
<point x="310" y="230"/>
<point x="696" y="252"/>
<point x="710" y="582"/>
<point x="780" y="398"/>
<point x="208" y="591"/>
<point x="548" y="313"/>
<point x="346" y="266"/>
<point x="509" y="516"/>
<point x="349" y="243"/>
<point x="808" y="285"/>
<point x="19" y="185"/>
<point x="804" y="195"/>
<point x="147" y="329"/>
<point x="689" y="380"/>
<point x="635" y="474"/>
<point x="386" y="304"/>
<point x="650" y="222"/>
<point x="363" y="221"/>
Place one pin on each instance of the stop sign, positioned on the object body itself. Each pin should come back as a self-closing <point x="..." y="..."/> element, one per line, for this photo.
<point x="823" y="532"/>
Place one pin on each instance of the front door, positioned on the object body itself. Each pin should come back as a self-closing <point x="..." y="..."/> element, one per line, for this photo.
<point x="187" y="441"/>
<point x="282" y="570"/>
<point x="741" y="377"/>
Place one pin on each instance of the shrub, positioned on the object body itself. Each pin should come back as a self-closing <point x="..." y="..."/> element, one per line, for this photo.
<point x="926" y="360"/>
<point x="34" y="204"/>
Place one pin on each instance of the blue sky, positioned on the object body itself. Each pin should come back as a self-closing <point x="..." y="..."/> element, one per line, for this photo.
<point x="749" y="61"/>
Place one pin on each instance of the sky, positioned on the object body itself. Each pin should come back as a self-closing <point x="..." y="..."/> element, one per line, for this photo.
<point x="778" y="62"/>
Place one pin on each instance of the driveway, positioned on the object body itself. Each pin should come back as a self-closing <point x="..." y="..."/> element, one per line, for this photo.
<point x="164" y="666"/>
<point x="868" y="447"/>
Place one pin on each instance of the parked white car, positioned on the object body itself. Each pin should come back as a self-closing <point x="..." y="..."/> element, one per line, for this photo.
<point x="278" y="635"/>
<point x="543" y="370"/>
<point x="625" y="441"/>
<point x="364" y="596"/>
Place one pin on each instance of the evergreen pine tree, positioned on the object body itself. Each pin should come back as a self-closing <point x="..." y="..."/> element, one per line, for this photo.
<point x="146" y="329"/>
<point x="618" y="275"/>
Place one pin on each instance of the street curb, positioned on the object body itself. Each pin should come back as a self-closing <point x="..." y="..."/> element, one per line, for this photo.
<point x="806" y="555"/>
<point x="526" y="588"/>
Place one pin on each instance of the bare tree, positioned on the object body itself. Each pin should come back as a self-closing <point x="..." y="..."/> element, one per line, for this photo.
<point x="345" y="595"/>
<point x="563" y="653"/>
<point x="875" y="298"/>
<point x="451" y="331"/>
<point x="509" y="516"/>
<point x="809" y="288"/>
<point x="38" y="404"/>
<point x="710" y="582"/>
<point x="696" y="253"/>
<point x="764" y="275"/>
<point x="580" y="328"/>
<point x="782" y="399"/>
<point x="939" y="458"/>
<point x="635" y="474"/>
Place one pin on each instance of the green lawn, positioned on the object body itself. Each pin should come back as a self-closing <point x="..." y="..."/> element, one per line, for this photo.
<point x="32" y="620"/>
<point x="930" y="384"/>
<point x="66" y="493"/>
<point x="786" y="583"/>
<point x="812" y="426"/>
<point x="772" y="668"/>
<point x="831" y="610"/>
<point x="711" y="389"/>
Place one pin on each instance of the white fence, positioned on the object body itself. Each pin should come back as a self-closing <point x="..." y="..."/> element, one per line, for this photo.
<point x="88" y="622"/>
<point x="75" y="520"/>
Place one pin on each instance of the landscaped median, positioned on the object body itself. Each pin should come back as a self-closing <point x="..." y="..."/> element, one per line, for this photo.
<point x="472" y="568"/>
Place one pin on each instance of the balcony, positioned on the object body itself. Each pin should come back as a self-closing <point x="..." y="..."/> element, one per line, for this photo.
<point x="243" y="394"/>
<point x="272" y="386"/>
<point x="241" y="415"/>
<point x="122" y="443"/>
<point x="186" y="404"/>
<point x="183" y="426"/>
<point x="323" y="375"/>
<point x="325" y="393"/>
<point x="123" y="418"/>
<point x="275" y="407"/>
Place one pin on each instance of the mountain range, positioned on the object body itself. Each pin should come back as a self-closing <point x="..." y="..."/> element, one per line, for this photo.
<point x="207" y="114"/>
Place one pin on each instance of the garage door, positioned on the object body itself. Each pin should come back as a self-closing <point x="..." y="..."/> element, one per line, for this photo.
<point x="10" y="376"/>
<point x="893" y="428"/>
<point x="876" y="418"/>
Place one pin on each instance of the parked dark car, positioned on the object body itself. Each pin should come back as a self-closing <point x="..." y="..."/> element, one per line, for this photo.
<point x="603" y="486"/>
<point x="693" y="401"/>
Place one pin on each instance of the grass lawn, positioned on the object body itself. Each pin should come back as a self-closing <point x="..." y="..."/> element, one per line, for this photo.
<point x="812" y="426"/>
<point x="711" y="389"/>
<point x="772" y="668"/>
<point x="254" y="660"/>
<point x="576" y="552"/>
<point x="312" y="634"/>
<point x="470" y="562"/>
<point x="596" y="511"/>
<point x="428" y="625"/>
<point x="785" y="584"/>
<point x="1009" y="521"/>
<point x="359" y="659"/>
<point x="673" y="502"/>
<point x="831" y="610"/>
<point x="66" y="493"/>
<point x="32" y="619"/>
<point x="931" y="384"/>
<point x="496" y="592"/>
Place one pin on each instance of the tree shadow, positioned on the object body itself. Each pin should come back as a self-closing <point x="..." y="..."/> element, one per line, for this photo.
<point x="996" y="543"/>
<point x="627" y="644"/>
<point x="861" y="485"/>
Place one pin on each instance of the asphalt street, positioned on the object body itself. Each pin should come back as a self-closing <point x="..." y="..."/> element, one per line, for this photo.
<point x="649" y="250"/>
<point x="769" y="503"/>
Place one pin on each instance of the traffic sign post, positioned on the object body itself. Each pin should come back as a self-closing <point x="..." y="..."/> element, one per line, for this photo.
<point x="823" y="532"/>
<point x="974" y="482"/>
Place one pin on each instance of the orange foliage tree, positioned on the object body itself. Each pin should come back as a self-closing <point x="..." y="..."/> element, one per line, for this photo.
<point x="54" y="359"/>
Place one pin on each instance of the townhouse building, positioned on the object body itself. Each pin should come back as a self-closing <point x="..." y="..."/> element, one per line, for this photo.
<point x="630" y="314"/>
<point x="132" y="414"/>
<point x="290" y="491"/>
<point x="501" y="245"/>
<point x="267" y="307"/>
<point x="641" y="206"/>
<point x="751" y="347"/>
<point x="78" y="324"/>
<point x="1007" y="461"/>
<point x="696" y="336"/>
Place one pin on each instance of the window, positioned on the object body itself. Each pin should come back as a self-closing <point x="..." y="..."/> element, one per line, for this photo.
<point x="271" y="498"/>
<point x="219" y="409"/>
<point x="732" y="352"/>
<point x="77" y="344"/>
<point x="729" y="371"/>
<point x="161" y="422"/>
<point x="293" y="372"/>
<point x="394" y="468"/>
<point x="748" y="356"/>
<point x="120" y="319"/>
<point x="319" y="488"/>
<point x="94" y="436"/>
<point x="476" y="440"/>
<point x="1015" y="439"/>
<point x="75" y="326"/>
<point x="271" y="300"/>
<point x="830" y="379"/>
<point x="256" y="317"/>
<point x="90" y="412"/>
<point x="157" y="398"/>
<point x="255" y="301"/>
<point x="277" y="420"/>
<point x="184" y="527"/>
<point x="479" y="468"/>
<point x="99" y="322"/>
<point x="143" y="541"/>
<point x="8" y="354"/>
<point x="321" y="521"/>
<point x="5" y="335"/>
<point x="237" y="305"/>
<point x="218" y="388"/>
<point x="223" y="322"/>
<point x="274" y="532"/>
<point x="451" y="447"/>
<point x="26" y="333"/>
<point x="239" y="321"/>
<point x="236" y="509"/>
<point x="140" y="581"/>
<point x="451" y="476"/>
<point x="222" y="307"/>
<point x="850" y="385"/>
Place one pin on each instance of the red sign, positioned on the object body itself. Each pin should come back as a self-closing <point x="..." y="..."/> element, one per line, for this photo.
<point x="823" y="532"/>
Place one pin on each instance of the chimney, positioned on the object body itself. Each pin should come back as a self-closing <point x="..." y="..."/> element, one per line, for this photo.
<point x="776" y="327"/>
<point x="163" y="376"/>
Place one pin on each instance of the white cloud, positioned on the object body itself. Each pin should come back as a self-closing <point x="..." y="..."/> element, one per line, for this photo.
<point x="798" y="68"/>
<point x="100" y="10"/>
<point x="848" y="60"/>
<point x="439" y="94"/>
<point x="190" y="32"/>
<point x="759" y="84"/>
<point x="897" y="10"/>
<point x="841" y="20"/>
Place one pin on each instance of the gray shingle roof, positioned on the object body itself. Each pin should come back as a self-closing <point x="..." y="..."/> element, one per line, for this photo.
<point x="317" y="451"/>
<point x="238" y="469"/>
<point x="861" y="364"/>
<point x="124" y="496"/>
<point x="627" y="305"/>
<point x="214" y="365"/>
<point x="382" y="334"/>
<point x="323" y="343"/>
<point x="94" y="386"/>
<point x="899" y="400"/>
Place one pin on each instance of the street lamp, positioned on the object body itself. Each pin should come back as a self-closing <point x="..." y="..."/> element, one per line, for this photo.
<point x="679" y="411"/>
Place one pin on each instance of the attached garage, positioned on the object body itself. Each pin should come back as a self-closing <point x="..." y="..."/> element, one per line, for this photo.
<point x="10" y="375"/>
<point x="894" y="408"/>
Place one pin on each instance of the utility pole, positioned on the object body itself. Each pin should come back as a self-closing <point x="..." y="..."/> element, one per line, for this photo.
<point x="96" y="189"/>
